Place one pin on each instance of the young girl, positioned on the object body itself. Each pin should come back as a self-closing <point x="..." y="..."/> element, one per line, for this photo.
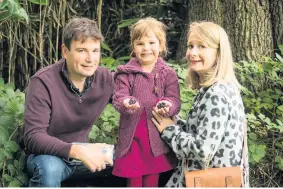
<point x="145" y="82"/>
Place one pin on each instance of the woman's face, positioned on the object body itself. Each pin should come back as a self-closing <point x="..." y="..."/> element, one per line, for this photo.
<point x="201" y="57"/>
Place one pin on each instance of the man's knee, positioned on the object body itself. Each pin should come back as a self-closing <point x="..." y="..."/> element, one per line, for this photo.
<point x="47" y="170"/>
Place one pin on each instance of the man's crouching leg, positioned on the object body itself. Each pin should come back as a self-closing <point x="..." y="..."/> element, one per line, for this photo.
<point x="47" y="170"/>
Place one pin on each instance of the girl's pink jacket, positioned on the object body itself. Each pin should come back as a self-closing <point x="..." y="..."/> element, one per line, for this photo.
<point x="147" y="89"/>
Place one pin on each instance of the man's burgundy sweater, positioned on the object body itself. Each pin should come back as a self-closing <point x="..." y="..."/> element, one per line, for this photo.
<point x="57" y="115"/>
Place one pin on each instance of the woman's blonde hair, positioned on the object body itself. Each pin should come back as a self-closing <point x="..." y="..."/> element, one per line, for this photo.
<point x="146" y="25"/>
<point x="215" y="37"/>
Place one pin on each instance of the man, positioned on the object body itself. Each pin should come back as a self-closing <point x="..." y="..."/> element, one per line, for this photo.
<point x="63" y="101"/>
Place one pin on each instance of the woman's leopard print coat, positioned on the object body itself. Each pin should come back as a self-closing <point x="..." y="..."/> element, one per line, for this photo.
<point x="214" y="127"/>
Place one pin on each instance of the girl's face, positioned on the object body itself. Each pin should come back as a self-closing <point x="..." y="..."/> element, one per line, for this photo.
<point x="147" y="49"/>
<point x="201" y="57"/>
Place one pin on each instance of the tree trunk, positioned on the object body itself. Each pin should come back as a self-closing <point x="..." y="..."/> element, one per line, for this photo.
<point x="247" y="23"/>
<point x="199" y="10"/>
<point x="182" y="46"/>
<point x="276" y="11"/>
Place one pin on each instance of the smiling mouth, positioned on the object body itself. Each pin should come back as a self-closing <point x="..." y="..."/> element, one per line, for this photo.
<point x="195" y="61"/>
<point x="86" y="66"/>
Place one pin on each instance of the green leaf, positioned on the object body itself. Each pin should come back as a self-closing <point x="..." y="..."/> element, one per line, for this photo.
<point x="11" y="169"/>
<point x="10" y="86"/>
<point x="94" y="132"/>
<point x="4" y="134"/>
<point x="280" y="108"/>
<point x="7" y="154"/>
<point x="267" y="120"/>
<point x="20" y="14"/>
<point x="252" y="148"/>
<point x="103" y="134"/>
<point x="258" y="152"/>
<point x="279" y="122"/>
<point x="261" y="150"/>
<point x="13" y="9"/>
<point x="10" y="93"/>
<point x="12" y="107"/>
<point x="15" y="184"/>
<point x="16" y="163"/>
<point x="261" y="116"/>
<point x="253" y="136"/>
<point x="23" y="178"/>
<point x="281" y="48"/>
<point x="4" y="14"/>
<point x="106" y="47"/>
<point x="124" y="58"/>
<point x="8" y="178"/>
<point x="1" y="79"/>
<point x="12" y="146"/>
<point x="108" y="61"/>
<point x="279" y="162"/>
<point x="125" y="23"/>
<point x="107" y="127"/>
<point x="2" y="103"/>
<point x="20" y="94"/>
<point x="279" y="57"/>
<point x="40" y="2"/>
<point x="3" y="4"/>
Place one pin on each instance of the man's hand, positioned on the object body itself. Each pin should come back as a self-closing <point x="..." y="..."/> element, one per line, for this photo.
<point x="131" y="104"/>
<point x="160" y="121"/>
<point x="91" y="155"/>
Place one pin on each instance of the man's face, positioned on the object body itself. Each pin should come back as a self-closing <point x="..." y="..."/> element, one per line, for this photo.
<point x="82" y="58"/>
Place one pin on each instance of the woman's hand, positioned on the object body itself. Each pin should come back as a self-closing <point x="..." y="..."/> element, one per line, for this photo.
<point x="160" y="121"/>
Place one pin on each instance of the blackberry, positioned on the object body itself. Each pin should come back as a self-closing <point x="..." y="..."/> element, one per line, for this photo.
<point x="132" y="101"/>
<point x="161" y="105"/>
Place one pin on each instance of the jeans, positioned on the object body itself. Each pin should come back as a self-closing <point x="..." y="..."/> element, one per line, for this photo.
<point x="50" y="171"/>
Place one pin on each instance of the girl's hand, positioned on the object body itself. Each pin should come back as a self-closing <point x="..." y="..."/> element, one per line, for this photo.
<point x="160" y="121"/>
<point x="131" y="104"/>
<point x="163" y="107"/>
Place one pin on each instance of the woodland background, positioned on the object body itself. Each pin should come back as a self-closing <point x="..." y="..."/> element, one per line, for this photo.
<point x="30" y="38"/>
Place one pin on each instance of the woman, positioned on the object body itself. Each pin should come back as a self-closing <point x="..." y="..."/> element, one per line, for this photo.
<point x="214" y="129"/>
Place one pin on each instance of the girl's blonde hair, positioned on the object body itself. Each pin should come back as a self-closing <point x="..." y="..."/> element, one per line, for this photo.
<point x="146" y="25"/>
<point x="215" y="37"/>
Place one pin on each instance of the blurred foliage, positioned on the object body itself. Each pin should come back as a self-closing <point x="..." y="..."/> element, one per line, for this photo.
<point x="12" y="9"/>
<point x="31" y="30"/>
<point x="12" y="160"/>
<point x="263" y="101"/>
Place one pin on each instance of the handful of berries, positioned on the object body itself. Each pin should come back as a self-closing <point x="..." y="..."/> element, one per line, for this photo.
<point x="161" y="105"/>
<point x="132" y="101"/>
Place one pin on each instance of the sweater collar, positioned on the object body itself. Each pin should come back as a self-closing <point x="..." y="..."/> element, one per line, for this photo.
<point x="134" y="67"/>
<point x="65" y="75"/>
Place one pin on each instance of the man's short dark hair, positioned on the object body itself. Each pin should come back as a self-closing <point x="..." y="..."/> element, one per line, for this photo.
<point x="81" y="29"/>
